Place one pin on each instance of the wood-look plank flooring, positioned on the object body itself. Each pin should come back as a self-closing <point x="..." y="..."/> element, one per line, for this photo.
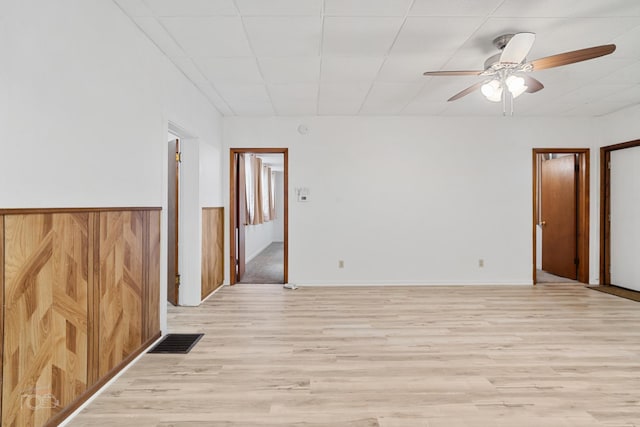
<point x="550" y="355"/>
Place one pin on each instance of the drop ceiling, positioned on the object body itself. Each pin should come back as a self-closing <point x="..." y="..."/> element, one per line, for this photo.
<point x="366" y="57"/>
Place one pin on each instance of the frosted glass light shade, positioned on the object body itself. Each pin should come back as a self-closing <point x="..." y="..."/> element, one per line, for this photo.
<point x="516" y="85"/>
<point x="492" y="91"/>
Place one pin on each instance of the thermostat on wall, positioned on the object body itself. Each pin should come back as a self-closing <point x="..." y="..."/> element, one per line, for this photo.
<point x="303" y="194"/>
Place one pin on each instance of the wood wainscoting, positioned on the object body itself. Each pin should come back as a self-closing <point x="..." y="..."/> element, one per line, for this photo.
<point x="80" y="290"/>
<point x="212" y="250"/>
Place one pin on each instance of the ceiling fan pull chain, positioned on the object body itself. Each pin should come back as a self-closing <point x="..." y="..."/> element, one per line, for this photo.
<point x="504" y="103"/>
<point x="511" y="97"/>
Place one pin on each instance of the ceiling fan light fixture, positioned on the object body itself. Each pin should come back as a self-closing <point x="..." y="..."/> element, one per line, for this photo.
<point x="492" y="90"/>
<point x="516" y="85"/>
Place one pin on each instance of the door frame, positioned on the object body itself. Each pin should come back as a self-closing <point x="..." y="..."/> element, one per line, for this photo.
<point x="232" y="206"/>
<point x="582" y="223"/>
<point x="605" y="207"/>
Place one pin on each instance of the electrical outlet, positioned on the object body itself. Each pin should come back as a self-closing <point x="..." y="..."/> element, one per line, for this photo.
<point x="340" y="264"/>
<point x="480" y="263"/>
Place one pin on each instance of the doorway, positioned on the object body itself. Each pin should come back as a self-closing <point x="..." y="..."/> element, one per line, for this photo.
<point x="619" y="215"/>
<point x="560" y="215"/>
<point x="173" y="203"/>
<point x="254" y="179"/>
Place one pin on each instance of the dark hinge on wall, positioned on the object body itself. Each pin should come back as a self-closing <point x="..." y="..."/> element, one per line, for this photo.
<point x="177" y="280"/>
<point x="179" y="157"/>
<point x="576" y="261"/>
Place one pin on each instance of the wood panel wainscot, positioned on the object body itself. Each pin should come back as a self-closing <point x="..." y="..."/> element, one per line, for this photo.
<point x="80" y="298"/>
<point x="212" y="250"/>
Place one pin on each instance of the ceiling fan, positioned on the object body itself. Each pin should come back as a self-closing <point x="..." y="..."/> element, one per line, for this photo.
<point x="506" y="72"/>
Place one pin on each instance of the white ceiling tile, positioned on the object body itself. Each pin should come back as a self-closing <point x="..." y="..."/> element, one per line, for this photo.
<point x="366" y="7"/>
<point x="473" y="104"/>
<point x="230" y="70"/>
<point x="337" y="69"/>
<point x="192" y="7"/>
<point x="290" y="70"/>
<point x="454" y="7"/>
<point x="470" y="59"/>
<point x="362" y="63"/>
<point x="204" y="36"/>
<point x="596" y="109"/>
<point x="482" y="40"/>
<point x="581" y="33"/>
<point x="439" y="89"/>
<point x="244" y="92"/>
<point x="524" y="106"/>
<point x="624" y="74"/>
<point x="590" y="93"/>
<point x="436" y="36"/>
<point x="254" y="109"/>
<point x="569" y="8"/>
<point x="294" y="99"/>
<point x="359" y="36"/>
<point x="134" y="8"/>
<point x="409" y="68"/>
<point x="341" y="99"/>
<point x="284" y="36"/>
<point x="160" y="37"/>
<point x="628" y="95"/>
<point x="390" y="98"/>
<point x="249" y="99"/>
<point x="280" y="7"/>
<point x="628" y="44"/>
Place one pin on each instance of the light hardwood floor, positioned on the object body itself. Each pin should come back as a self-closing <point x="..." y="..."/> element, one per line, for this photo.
<point x="550" y="355"/>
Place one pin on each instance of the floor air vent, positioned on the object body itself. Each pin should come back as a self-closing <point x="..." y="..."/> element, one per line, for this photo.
<point x="176" y="343"/>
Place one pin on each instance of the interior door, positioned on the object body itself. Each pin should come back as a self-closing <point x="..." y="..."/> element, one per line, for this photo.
<point x="241" y="216"/>
<point x="624" y="217"/>
<point x="173" y="275"/>
<point x="558" y="209"/>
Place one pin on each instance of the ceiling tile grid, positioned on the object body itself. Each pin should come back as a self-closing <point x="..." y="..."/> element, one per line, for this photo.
<point x="366" y="57"/>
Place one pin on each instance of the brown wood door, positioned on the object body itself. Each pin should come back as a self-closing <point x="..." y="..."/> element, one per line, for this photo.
<point x="173" y="275"/>
<point x="559" y="232"/>
<point x="241" y="216"/>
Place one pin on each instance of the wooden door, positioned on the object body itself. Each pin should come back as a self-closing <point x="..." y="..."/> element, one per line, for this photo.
<point x="241" y="215"/>
<point x="558" y="208"/>
<point x="173" y="275"/>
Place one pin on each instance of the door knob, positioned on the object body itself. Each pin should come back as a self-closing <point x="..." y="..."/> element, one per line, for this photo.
<point x="543" y="223"/>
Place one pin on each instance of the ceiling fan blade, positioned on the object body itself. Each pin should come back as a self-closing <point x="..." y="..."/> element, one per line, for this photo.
<point x="567" y="58"/>
<point x="466" y="92"/>
<point x="533" y="85"/>
<point x="452" y="73"/>
<point x="517" y="49"/>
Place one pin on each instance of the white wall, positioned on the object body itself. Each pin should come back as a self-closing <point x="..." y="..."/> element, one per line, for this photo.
<point x="412" y="200"/>
<point x="85" y="99"/>
<point x="257" y="238"/>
